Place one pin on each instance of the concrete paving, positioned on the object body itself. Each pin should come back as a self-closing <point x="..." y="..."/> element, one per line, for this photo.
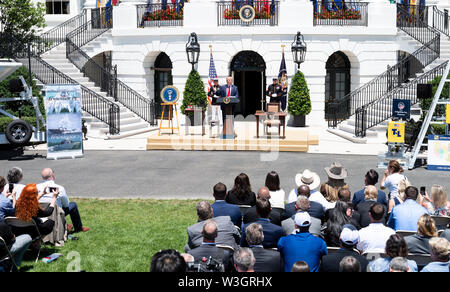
<point x="189" y="174"/>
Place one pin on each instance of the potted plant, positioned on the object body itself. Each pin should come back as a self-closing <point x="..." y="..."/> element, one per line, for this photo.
<point x="194" y="95"/>
<point x="299" y="100"/>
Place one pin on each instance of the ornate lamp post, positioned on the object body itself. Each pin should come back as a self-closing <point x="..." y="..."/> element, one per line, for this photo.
<point x="193" y="49"/>
<point x="298" y="49"/>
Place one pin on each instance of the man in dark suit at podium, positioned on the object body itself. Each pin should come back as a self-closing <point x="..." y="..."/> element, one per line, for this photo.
<point x="228" y="90"/>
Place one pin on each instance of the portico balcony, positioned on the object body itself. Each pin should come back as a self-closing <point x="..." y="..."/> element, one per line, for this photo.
<point x="340" y="13"/>
<point x="160" y="14"/>
<point x="265" y="13"/>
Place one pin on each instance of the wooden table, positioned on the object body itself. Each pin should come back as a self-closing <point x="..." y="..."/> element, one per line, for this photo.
<point x="193" y="111"/>
<point x="281" y="116"/>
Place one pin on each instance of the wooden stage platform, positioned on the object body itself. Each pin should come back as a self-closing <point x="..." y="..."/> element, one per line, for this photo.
<point x="297" y="140"/>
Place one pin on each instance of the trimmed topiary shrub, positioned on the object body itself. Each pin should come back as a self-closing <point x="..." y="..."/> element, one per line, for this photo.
<point x="194" y="92"/>
<point x="299" y="99"/>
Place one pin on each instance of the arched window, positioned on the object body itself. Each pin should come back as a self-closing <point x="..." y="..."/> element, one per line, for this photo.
<point x="337" y="80"/>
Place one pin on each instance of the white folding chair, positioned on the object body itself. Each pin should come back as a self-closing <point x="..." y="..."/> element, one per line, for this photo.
<point x="17" y="223"/>
<point x="244" y="208"/>
<point x="332" y="249"/>
<point x="225" y="247"/>
<point x="441" y="222"/>
<point x="6" y="256"/>
<point x="405" y="233"/>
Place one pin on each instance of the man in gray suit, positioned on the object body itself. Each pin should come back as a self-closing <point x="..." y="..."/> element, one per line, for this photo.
<point x="302" y="205"/>
<point x="228" y="234"/>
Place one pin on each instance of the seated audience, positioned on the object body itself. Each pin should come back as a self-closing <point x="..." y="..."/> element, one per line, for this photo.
<point x="307" y="178"/>
<point x="336" y="179"/>
<point x="315" y="209"/>
<point x="302" y="205"/>
<point x="401" y="188"/>
<point x="267" y="260"/>
<point x="370" y="198"/>
<point x="241" y="193"/>
<point x="344" y="195"/>
<point x="250" y="214"/>
<point x="349" y="239"/>
<point x="419" y="243"/>
<point x="168" y="260"/>
<point x="436" y="205"/>
<point x="28" y="208"/>
<point x="228" y="234"/>
<point x="340" y="215"/>
<point x="373" y="237"/>
<point x="277" y="195"/>
<point x="349" y="265"/>
<point x="244" y="260"/>
<point x="440" y="254"/>
<point x="222" y="208"/>
<point x="15" y="176"/>
<point x="399" y="264"/>
<point x="406" y="215"/>
<point x="371" y="179"/>
<point x="302" y="246"/>
<point x="272" y="232"/>
<point x="395" y="247"/>
<point x="6" y="204"/>
<point x="208" y="247"/>
<point x="17" y="245"/>
<point x="446" y="234"/>
<point x="300" y="267"/>
<point x="70" y="208"/>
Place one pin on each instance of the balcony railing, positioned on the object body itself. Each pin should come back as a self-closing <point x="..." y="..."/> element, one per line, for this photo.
<point x="159" y="14"/>
<point x="340" y="13"/>
<point x="266" y="13"/>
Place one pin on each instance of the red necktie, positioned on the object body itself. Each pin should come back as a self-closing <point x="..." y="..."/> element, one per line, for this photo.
<point x="229" y="91"/>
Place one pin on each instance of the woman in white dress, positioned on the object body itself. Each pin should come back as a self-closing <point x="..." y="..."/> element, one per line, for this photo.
<point x="277" y="195"/>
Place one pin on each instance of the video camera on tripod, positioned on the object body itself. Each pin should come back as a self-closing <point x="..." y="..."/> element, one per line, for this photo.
<point x="206" y="265"/>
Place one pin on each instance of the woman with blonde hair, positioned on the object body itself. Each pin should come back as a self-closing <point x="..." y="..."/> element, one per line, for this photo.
<point x="426" y="229"/>
<point x="437" y="205"/>
<point x="401" y="187"/>
<point x="391" y="180"/>
<point x="440" y="254"/>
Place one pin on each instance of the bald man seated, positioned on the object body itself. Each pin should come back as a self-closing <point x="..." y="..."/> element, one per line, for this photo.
<point x="70" y="208"/>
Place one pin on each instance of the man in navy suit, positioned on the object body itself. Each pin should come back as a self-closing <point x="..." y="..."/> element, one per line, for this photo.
<point x="222" y="208"/>
<point x="315" y="209"/>
<point x="272" y="232"/>
<point x="371" y="179"/>
<point x="228" y="90"/>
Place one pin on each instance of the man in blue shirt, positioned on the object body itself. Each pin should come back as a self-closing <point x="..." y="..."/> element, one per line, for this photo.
<point x="406" y="215"/>
<point x="222" y="208"/>
<point x="371" y="179"/>
<point x="439" y="251"/>
<point x="302" y="246"/>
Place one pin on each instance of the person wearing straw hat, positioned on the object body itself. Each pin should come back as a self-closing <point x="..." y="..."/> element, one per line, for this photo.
<point x="312" y="180"/>
<point x="336" y="175"/>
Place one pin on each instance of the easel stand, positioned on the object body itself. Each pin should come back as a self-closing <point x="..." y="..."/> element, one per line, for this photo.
<point x="170" y="106"/>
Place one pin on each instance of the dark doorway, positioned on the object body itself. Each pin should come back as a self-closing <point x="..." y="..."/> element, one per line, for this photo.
<point x="248" y="69"/>
<point x="337" y="80"/>
<point x="163" y="77"/>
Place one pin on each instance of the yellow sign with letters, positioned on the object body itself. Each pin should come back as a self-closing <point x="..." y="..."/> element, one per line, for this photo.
<point x="448" y="114"/>
<point x="396" y="132"/>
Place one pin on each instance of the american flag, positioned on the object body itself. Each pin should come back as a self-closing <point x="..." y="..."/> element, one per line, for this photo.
<point x="212" y="76"/>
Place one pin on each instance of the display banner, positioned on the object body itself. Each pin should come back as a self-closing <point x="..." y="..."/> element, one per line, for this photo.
<point x="438" y="153"/>
<point x="63" y="108"/>
<point x="396" y="132"/>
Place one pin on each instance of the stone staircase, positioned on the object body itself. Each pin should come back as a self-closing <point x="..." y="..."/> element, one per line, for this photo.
<point x="377" y="134"/>
<point x="130" y="124"/>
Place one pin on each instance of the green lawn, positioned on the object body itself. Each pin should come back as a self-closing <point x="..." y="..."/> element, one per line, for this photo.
<point x="124" y="235"/>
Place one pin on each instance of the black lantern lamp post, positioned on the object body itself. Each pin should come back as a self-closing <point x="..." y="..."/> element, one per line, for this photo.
<point x="298" y="49"/>
<point x="193" y="49"/>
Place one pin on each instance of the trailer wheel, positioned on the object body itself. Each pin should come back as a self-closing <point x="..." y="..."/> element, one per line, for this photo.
<point x="18" y="132"/>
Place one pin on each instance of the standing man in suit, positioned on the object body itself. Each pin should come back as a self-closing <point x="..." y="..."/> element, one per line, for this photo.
<point x="274" y="91"/>
<point x="267" y="260"/>
<point x="228" y="90"/>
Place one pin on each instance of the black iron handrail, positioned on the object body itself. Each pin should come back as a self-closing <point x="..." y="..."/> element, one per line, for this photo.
<point x="342" y="109"/>
<point x="342" y="14"/>
<point x="381" y="110"/>
<point x="160" y="14"/>
<point x="266" y="13"/>
<point x="441" y="20"/>
<point x="105" y="79"/>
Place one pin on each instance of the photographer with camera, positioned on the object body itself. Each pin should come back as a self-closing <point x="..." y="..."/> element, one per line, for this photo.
<point x="208" y="255"/>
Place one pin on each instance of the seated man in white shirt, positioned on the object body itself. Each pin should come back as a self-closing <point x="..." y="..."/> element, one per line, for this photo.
<point x="373" y="237"/>
<point x="63" y="201"/>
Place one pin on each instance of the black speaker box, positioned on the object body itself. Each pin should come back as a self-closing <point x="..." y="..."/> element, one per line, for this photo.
<point x="15" y="85"/>
<point x="424" y="91"/>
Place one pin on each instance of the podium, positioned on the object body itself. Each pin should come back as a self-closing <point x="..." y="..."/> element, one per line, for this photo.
<point x="227" y="104"/>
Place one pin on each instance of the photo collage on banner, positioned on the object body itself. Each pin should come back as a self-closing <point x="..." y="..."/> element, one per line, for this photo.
<point x="64" y="134"/>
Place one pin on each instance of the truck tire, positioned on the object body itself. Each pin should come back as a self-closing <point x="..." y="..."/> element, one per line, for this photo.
<point x="18" y="133"/>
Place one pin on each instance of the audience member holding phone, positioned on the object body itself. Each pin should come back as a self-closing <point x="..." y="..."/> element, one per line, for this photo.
<point x="437" y="204"/>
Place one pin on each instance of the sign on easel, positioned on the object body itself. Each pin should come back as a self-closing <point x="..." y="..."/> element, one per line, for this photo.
<point x="63" y="108"/>
<point x="438" y="153"/>
<point x="396" y="132"/>
<point x="447" y="112"/>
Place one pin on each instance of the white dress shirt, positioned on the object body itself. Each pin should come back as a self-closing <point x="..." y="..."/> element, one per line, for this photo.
<point x="62" y="201"/>
<point x="373" y="238"/>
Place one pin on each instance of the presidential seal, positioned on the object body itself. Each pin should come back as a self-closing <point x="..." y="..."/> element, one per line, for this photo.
<point x="170" y="94"/>
<point x="247" y="13"/>
<point x="226" y="100"/>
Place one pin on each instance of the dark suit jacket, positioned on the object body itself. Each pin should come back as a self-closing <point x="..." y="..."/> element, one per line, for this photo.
<point x="315" y="210"/>
<point x="418" y="244"/>
<point x="206" y="250"/>
<point x="267" y="260"/>
<point x="223" y="91"/>
<point x="251" y="216"/>
<point x="330" y="263"/>
<point x="272" y="233"/>
<point x="363" y="209"/>
<point x="358" y="197"/>
<point x="222" y="208"/>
